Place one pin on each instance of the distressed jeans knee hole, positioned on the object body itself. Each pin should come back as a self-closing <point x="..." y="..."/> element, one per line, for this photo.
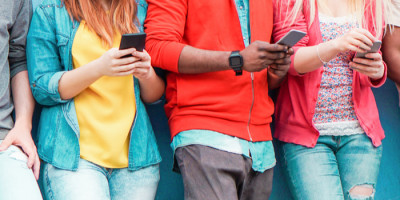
<point x="364" y="192"/>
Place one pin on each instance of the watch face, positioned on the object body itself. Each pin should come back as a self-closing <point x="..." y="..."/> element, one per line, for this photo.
<point x="236" y="61"/>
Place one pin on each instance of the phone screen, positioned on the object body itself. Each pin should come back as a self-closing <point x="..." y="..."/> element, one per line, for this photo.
<point x="133" y="40"/>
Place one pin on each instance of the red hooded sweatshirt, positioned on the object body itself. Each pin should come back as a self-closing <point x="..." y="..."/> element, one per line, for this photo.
<point x="219" y="101"/>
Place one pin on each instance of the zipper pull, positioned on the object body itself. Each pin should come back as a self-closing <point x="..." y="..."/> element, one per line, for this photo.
<point x="252" y="76"/>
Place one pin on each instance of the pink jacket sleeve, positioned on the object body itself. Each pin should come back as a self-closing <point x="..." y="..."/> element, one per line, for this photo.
<point x="283" y="24"/>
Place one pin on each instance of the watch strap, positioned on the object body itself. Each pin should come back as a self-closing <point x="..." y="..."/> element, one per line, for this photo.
<point x="238" y="69"/>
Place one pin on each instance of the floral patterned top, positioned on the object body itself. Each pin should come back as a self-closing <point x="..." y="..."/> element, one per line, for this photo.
<point x="334" y="111"/>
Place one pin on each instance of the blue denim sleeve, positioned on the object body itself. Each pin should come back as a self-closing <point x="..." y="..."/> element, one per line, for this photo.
<point x="141" y="13"/>
<point x="43" y="58"/>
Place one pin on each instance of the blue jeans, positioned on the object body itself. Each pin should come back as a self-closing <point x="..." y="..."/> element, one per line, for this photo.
<point x="332" y="168"/>
<point x="17" y="181"/>
<point x="91" y="181"/>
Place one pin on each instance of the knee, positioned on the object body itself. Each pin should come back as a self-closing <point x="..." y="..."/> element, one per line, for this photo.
<point x="363" y="191"/>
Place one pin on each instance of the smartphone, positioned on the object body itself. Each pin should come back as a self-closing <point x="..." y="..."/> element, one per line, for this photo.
<point x="291" y="38"/>
<point x="375" y="48"/>
<point x="133" y="40"/>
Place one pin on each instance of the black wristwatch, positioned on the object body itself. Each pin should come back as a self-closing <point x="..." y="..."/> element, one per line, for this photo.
<point x="236" y="62"/>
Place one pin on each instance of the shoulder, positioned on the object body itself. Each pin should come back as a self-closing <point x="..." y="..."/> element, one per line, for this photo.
<point x="49" y="6"/>
<point x="51" y="9"/>
<point x="50" y="3"/>
<point x="394" y="16"/>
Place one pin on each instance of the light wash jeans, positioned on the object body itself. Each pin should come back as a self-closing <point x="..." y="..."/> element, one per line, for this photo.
<point x="91" y="181"/>
<point x="332" y="168"/>
<point x="17" y="181"/>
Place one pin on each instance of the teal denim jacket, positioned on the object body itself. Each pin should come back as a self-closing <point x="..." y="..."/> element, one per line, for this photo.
<point x="49" y="45"/>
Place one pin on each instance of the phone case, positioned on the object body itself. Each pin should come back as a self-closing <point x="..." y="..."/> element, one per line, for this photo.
<point x="375" y="48"/>
<point x="291" y="38"/>
<point x="133" y="40"/>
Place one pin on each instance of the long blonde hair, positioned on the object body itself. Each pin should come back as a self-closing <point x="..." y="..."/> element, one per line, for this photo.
<point x="357" y="7"/>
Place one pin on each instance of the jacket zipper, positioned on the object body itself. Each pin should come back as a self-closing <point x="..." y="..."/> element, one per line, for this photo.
<point x="252" y="104"/>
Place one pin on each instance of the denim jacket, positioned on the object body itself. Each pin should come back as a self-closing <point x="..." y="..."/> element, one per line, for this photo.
<point x="49" y="45"/>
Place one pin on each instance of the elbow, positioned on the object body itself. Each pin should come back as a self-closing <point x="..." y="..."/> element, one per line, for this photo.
<point x="64" y="93"/>
<point x="154" y="98"/>
<point x="65" y="97"/>
<point x="299" y="69"/>
<point x="394" y="76"/>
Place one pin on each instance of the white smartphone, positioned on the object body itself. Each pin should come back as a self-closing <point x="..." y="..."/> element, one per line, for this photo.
<point x="375" y="48"/>
<point x="291" y="38"/>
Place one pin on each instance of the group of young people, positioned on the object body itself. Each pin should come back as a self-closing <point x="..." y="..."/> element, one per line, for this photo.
<point x="95" y="139"/>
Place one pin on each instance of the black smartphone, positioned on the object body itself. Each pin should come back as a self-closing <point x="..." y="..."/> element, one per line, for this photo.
<point x="133" y="40"/>
<point x="375" y="48"/>
<point x="291" y="38"/>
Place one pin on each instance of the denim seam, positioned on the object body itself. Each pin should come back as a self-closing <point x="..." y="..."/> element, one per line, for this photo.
<point x="289" y="176"/>
<point x="47" y="160"/>
<point x="48" y="17"/>
<point x="49" y="191"/>
<point x="65" y="36"/>
<point x="51" y="6"/>
<point x="38" y="87"/>
<point x="148" y="165"/>
<point x="263" y="169"/>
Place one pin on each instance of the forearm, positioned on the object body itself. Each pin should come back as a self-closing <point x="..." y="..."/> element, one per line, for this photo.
<point x="194" y="61"/>
<point x="151" y="89"/>
<point x="394" y="69"/>
<point x="23" y="100"/>
<point x="307" y="60"/>
<point x="75" y="81"/>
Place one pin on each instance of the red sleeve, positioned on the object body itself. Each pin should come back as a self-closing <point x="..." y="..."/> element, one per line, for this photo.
<point x="283" y="24"/>
<point x="164" y="26"/>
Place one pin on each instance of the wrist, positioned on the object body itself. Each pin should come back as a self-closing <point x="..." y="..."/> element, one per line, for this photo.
<point x="381" y="73"/>
<point x="148" y="77"/>
<point x="236" y="62"/>
<point x="334" y="45"/>
<point x="272" y="73"/>
<point x="25" y="124"/>
<point x="97" y="68"/>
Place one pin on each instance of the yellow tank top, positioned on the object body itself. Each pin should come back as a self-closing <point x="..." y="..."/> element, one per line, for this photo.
<point x="106" y="109"/>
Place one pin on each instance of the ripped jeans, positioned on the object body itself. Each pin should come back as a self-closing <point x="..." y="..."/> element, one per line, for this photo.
<point x="17" y="181"/>
<point x="331" y="169"/>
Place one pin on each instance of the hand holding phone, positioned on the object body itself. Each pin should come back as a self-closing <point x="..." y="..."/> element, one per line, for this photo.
<point x="375" y="48"/>
<point x="373" y="66"/>
<point x="291" y="38"/>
